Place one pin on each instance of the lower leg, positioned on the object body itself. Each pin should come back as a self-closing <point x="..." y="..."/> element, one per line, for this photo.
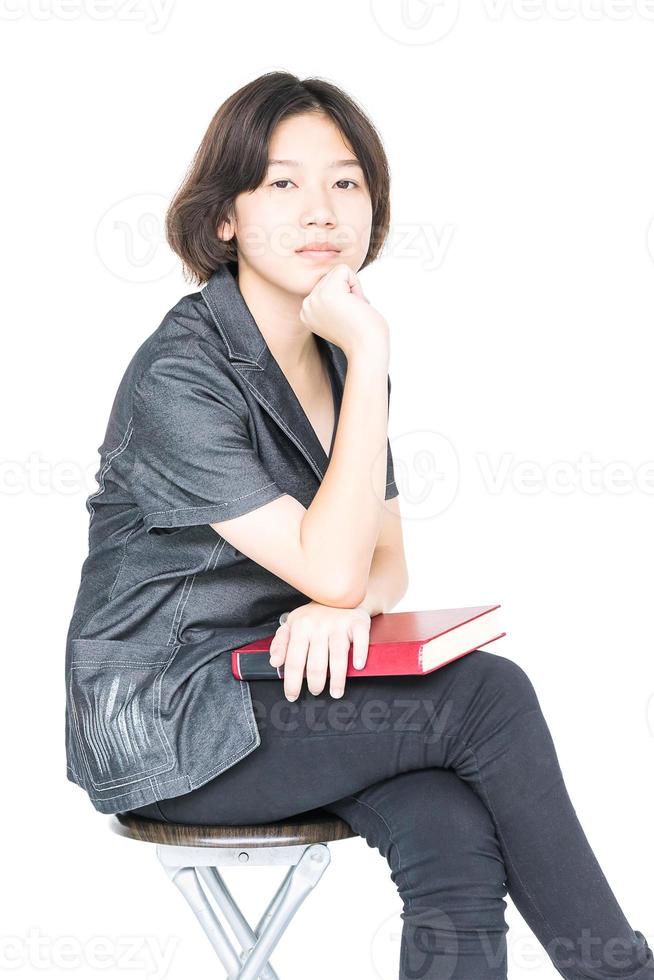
<point x="440" y="843"/>
<point x="504" y="749"/>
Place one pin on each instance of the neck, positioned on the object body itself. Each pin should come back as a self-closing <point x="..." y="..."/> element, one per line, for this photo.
<point x="277" y="314"/>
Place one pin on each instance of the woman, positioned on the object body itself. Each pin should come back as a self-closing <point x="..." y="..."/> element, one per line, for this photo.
<point x="246" y="470"/>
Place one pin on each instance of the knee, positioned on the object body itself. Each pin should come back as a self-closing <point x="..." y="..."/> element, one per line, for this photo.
<point x="448" y="820"/>
<point x="501" y="675"/>
<point x="435" y="832"/>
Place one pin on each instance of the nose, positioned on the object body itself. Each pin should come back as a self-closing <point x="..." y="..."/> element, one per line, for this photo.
<point x="317" y="210"/>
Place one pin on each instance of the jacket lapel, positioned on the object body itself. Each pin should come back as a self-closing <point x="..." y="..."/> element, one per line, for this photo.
<point x="252" y="358"/>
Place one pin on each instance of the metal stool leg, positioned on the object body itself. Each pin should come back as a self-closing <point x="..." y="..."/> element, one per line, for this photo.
<point x="223" y="897"/>
<point x="186" y="867"/>
<point x="305" y="875"/>
<point x="187" y="881"/>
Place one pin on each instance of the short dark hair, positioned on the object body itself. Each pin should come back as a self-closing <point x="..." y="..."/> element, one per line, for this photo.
<point x="233" y="158"/>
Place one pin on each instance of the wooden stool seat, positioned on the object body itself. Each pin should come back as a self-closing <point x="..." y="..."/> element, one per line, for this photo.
<point x="192" y="854"/>
<point x="312" y="827"/>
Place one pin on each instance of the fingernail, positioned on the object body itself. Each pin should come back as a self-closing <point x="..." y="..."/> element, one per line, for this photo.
<point x="336" y="692"/>
<point x="358" y="664"/>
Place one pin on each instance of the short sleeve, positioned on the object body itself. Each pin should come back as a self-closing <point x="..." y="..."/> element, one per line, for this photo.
<point x="194" y="461"/>
<point x="391" y="487"/>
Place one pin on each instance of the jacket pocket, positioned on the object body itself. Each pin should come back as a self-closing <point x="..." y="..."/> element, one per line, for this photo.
<point x="114" y="697"/>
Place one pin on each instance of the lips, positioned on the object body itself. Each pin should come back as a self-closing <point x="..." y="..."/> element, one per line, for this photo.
<point x="318" y="247"/>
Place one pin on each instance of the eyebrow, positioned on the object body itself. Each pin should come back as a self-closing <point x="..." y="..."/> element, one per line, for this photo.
<point x="333" y="163"/>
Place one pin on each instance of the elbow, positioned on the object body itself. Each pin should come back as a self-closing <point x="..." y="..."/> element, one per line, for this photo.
<point x="345" y="594"/>
<point x="349" y="600"/>
<point x="349" y="595"/>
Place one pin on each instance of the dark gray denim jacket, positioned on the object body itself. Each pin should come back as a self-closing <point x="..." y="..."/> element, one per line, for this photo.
<point x="204" y="427"/>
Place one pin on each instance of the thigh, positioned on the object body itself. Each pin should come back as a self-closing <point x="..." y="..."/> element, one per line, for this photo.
<point x="318" y="749"/>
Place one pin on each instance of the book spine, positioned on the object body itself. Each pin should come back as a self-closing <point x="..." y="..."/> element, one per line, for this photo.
<point x="255" y="666"/>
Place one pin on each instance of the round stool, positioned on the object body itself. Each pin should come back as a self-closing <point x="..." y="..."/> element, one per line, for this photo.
<point x="191" y="856"/>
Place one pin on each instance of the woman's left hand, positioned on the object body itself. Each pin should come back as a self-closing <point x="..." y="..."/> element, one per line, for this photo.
<point x="320" y="636"/>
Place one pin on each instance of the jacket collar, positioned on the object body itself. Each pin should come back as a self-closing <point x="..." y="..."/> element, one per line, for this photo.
<point x="247" y="349"/>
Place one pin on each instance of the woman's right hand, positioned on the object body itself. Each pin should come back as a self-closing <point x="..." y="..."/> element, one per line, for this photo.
<point x="316" y="639"/>
<point x="337" y="310"/>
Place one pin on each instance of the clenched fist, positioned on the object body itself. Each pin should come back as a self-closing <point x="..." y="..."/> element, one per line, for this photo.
<point x="337" y="310"/>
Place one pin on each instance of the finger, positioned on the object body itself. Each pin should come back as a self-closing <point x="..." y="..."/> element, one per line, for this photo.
<point x="358" y="291"/>
<point x="360" y="642"/>
<point x="279" y="644"/>
<point x="343" y="275"/>
<point x="351" y="276"/>
<point x="339" y="646"/>
<point x="317" y="662"/>
<point x="296" y="656"/>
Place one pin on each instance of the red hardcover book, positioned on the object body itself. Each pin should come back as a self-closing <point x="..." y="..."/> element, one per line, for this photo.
<point x="415" y="642"/>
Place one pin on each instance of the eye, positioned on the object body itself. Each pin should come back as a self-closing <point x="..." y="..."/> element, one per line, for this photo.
<point x="285" y="180"/>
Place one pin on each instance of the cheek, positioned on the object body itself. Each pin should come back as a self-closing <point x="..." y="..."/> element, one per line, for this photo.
<point x="355" y="213"/>
<point x="355" y="225"/>
<point x="268" y="226"/>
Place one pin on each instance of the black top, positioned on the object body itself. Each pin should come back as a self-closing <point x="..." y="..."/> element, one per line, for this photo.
<point x="204" y="427"/>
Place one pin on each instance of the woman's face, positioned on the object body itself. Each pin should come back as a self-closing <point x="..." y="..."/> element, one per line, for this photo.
<point x="318" y="193"/>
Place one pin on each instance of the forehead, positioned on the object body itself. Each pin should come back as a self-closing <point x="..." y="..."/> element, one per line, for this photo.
<point x="310" y="138"/>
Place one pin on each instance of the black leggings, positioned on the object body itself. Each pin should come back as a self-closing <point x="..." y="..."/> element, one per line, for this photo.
<point x="454" y="777"/>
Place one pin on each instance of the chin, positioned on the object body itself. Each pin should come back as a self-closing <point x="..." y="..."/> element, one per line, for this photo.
<point x="297" y="281"/>
<point x="294" y="275"/>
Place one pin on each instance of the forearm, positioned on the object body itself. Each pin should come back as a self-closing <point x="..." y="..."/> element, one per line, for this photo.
<point x="387" y="582"/>
<point x="341" y="526"/>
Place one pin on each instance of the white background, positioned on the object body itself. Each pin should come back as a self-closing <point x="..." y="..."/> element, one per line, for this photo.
<point x="517" y="282"/>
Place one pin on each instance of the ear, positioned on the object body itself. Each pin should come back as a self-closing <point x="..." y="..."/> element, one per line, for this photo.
<point x="225" y="231"/>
